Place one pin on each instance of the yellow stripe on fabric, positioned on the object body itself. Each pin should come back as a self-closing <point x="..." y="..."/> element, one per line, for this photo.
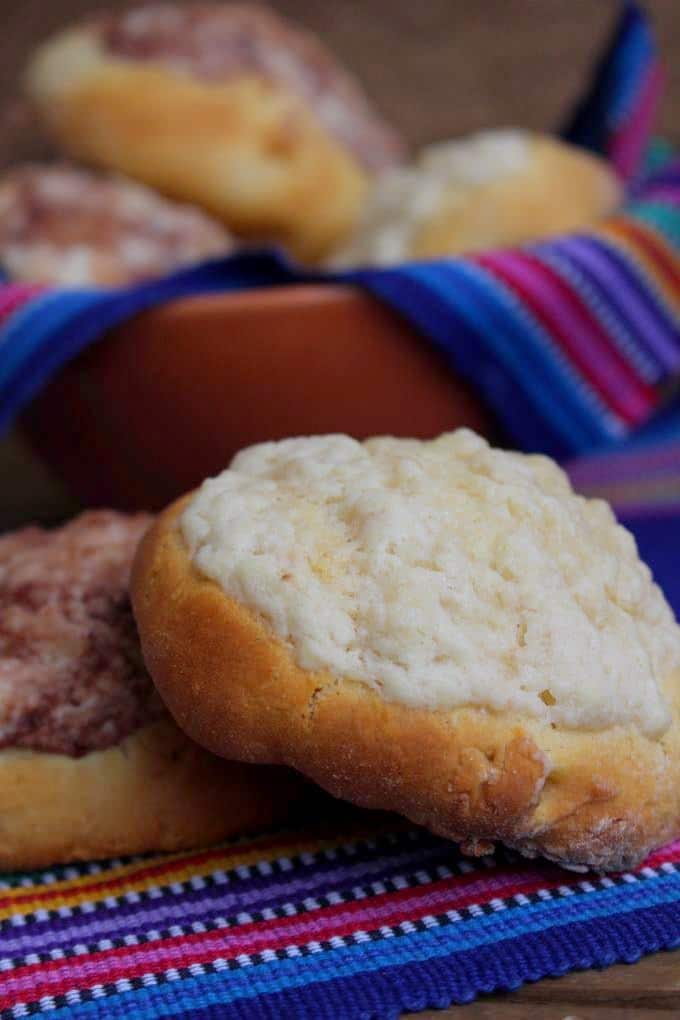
<point x="176" y="868"/>
<point x="612" y="232"/>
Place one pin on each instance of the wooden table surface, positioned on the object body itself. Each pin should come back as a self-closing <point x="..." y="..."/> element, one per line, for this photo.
<point x="437" y="68"/>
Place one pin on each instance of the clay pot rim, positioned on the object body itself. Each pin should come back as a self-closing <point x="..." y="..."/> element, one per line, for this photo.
<point x="287" y="297"/>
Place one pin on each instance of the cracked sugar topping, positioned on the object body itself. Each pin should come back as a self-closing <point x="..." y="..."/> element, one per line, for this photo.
<point x="442" y="574"/>
<point x="72" y="679"/>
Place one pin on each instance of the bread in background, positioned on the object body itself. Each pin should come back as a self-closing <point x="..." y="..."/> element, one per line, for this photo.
<point x="91" y="764"/>
<point x="490" y="190"/>
<point x="64" y="225"/>
<point x="225" y="105"/>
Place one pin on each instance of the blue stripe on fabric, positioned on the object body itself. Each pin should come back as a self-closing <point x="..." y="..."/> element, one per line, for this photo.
<point x="658" y="540"/>
<point x="664" y="427"/>
<point x="636" y="275"/>
<point x="632" y="62"/>
<point x="51" y="330"/>
<point x="435" y="984"/>
<point x="576" y="274"/>
<point x="549" y="383"/>
<point x="469" y="353"/>
<point x="539" y="917"/>
<point x="563" y="374"/>
<point x="31" y="325"/>
<point x="614" y="84"/>
<point x="646" y="184"/>
<point x="40" y="348"/>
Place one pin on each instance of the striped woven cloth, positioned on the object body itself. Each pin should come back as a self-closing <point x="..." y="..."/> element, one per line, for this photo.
<point x="360" y="919"/>
<point x="575" y="344"/>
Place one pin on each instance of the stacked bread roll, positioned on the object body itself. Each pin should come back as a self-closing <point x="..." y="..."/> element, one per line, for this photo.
<point x="91" y="763"/>
<point x="436" y="628"/>
<point x="231" y="109"/>
<point x="495" y="189"/>
<point x="224" y="105"/>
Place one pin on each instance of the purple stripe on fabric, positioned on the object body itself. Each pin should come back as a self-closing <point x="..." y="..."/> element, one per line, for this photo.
<point x="598" y="302"/>
<point x="668" y="175"/>
<point x="667" y="193"/>
<point x="626" y="285"/>
<point x="625" y="466"/>
<point x="218" y="901"/>
<point x="553" y="383"/>
<point x="622" y="281"/>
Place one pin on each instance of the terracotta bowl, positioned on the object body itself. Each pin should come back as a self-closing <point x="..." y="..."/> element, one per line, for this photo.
<point x="167" y="399"/>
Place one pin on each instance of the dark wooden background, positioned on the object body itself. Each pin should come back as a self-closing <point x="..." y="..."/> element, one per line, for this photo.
<point x="436" y="68"/>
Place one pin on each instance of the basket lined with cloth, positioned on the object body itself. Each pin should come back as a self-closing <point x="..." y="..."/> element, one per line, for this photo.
<point x="574" y="343"/>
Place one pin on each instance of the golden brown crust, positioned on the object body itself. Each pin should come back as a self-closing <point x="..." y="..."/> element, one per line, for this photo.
<point x="601" y="799"/>
<point x="246" y="150"/>
<point x="156" y="791"/>
<point x="563" y="189"/>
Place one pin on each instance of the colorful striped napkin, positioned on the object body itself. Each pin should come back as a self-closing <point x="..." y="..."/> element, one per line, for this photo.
<point x="357" y="920"/>
<point x="575" y="344"/>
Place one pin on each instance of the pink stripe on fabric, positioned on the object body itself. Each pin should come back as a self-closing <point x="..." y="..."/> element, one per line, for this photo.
<point x="345" y="919"/>
<point x="383" y="909"/>
<point x="581" y="338"/>
<point x="627" y="145"/>
<point x="14" y="295"/>
<point x="670" y="852"/>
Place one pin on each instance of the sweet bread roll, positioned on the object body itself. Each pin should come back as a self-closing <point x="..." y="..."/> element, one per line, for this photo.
<point x="67" y="226"/>
<point x="91" y="765"/>
<point x="436" y="628"/>
<point x="224" y="105"/>
<point x="491" y="190"/>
